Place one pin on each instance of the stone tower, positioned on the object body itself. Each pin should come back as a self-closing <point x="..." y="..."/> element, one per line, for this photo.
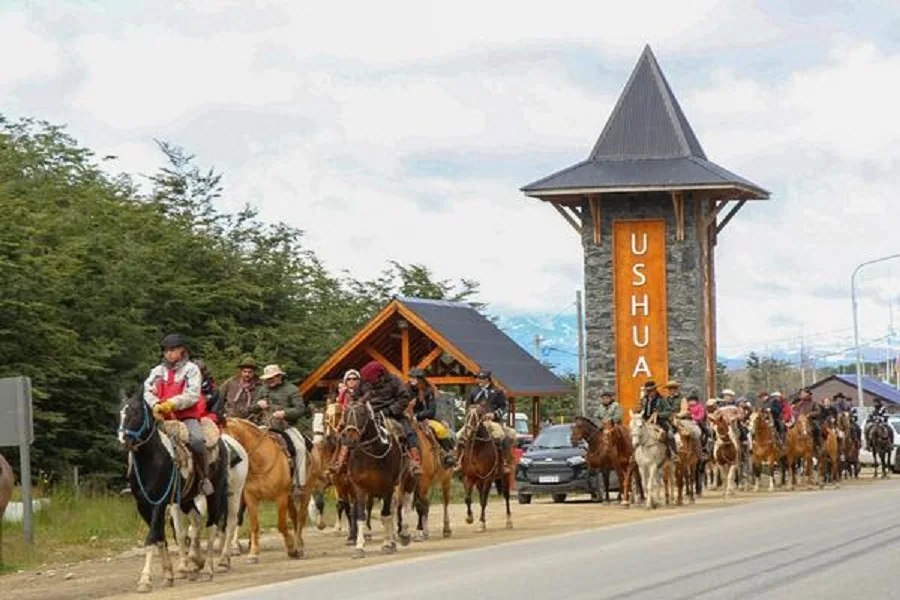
<point x="648" y="206"/>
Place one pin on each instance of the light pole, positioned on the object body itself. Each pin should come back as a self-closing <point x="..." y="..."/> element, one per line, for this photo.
<point x="859" y="389"/>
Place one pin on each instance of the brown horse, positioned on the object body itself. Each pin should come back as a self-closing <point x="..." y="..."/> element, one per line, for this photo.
<point x="829" y="458"/>
<point x="481" y="465"/>
<point x="726" y="452"/>
<point x="800" y="447"/>
<point x="269" y="478"/>
<point x="766" y="448"/>
<point x="433" y="473"/>
<point x="376" y="468"/>
<point x="609" y="449"/>
<point x="6" y="485"/>
<point x="687" y="438"/>
<point x="848" y="446"/>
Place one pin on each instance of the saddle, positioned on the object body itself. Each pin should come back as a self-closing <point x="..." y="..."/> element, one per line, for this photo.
<point x="178" y="433"/>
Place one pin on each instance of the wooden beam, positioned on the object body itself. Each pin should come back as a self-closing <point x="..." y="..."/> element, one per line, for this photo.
<point x="678" y="205"/>
<point x="404" y="349"/>
<point x="438" y="339"/>
<point x="730" y="215"/>
<point x="568" y="218"/>
<point x="385" y="362"/>
<point x="535" y="415"/>
<point x="452" y="380"/>
<point x="430" y="357"/>
<point x="594" y="203"/>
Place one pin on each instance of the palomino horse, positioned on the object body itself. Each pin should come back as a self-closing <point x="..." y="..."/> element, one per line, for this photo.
<point x="481" y="465"/>
<point x="726" y="451"/>
<point x="880" y="441"/>
<point x="157" y="481"/>
<point x="649" y="455"/>
<point x="849" y="442"/>
<point x="829" y="457"/>
<point x="800" y="447"/>
<point x="190" y="559"/>
<point x="609" y="448"/>
<point x="433" y="473"/>
<point x="6" y="485"/>
<point x="376" y="468"/>
<point x="269" y="478"/>
<point x="766" y="448"/>
<point x="687" y="440"/>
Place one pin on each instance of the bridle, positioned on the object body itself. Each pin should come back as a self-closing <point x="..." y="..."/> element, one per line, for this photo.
<point x="136" y="437"/>
<point x="474" y="422"/>
<point x="352" y="423"/>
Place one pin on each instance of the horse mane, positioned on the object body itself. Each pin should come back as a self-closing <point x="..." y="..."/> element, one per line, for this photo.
<point x="589" y="422"/>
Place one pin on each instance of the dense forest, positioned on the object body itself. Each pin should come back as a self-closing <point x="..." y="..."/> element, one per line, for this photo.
<point x="95" y="269"/>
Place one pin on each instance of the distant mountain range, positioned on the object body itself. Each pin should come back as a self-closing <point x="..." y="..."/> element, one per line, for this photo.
<point x="559" y="344"/>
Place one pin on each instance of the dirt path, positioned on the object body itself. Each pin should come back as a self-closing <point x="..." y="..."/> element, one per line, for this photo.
<point x="325" y="552"/>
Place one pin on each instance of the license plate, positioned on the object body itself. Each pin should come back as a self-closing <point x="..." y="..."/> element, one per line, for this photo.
<point x="548" y="479"/>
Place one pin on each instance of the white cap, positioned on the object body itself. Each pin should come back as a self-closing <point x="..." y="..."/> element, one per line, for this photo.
<point x="727" y="392"/>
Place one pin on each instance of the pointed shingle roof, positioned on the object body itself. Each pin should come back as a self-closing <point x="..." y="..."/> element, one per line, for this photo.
<point x="647" y="144"/>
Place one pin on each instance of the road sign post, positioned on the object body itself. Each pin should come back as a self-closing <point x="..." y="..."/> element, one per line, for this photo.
<point x="17" y="429"/>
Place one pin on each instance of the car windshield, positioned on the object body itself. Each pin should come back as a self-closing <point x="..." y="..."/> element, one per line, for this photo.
<point x="522" y="426"/>
<point x="556" y="437"/>
<point x="896" y="426"/>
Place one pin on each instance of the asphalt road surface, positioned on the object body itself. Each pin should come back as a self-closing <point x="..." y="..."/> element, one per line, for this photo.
<point x="819" y="545"/>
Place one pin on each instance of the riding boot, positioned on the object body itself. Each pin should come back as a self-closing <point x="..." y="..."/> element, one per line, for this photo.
<point x="504" y="457"/>
<point x="338" y="464"/>
<point x="206" y="487"/>
<point x="446" y="445"/>
<point x="415" y="462"/>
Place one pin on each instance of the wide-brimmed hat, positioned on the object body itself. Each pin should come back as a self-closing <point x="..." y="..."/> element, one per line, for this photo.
<point x="776" y="394"/>
<point x="712" y="402"/>
<point x="271" y="371"/>
<point x="650" y="385"/>
<point x="672" y="384"/>
<point x="247" y="363"/>
<point x="728" y="392"/>
<point x="483" y="374"/>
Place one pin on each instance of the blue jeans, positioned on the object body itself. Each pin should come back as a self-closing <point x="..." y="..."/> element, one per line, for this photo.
<point x="196" y="440"/>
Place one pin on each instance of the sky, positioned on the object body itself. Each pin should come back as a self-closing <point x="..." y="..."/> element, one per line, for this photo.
<point x="404" y="130"/>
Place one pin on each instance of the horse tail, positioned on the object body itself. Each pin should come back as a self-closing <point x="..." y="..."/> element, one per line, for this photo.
<point x="220" y="518"/>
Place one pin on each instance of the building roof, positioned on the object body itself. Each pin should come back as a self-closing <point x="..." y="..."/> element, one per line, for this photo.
<point x="450" y="340"/>
<point x="874" y="386"/>
<point x="647" y="145"/>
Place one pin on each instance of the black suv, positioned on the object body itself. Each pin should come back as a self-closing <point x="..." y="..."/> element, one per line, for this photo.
<point x="551" y="465"/>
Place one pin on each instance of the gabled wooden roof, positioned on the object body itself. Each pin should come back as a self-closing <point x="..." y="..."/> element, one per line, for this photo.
<point x="450" y="340"/>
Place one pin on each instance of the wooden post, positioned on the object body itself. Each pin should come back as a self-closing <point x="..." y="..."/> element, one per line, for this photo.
<point x="535" y="415"/>
<point x="511" y="417"/>
<point x="594" y="202"/>
<point x="404" y="350"/>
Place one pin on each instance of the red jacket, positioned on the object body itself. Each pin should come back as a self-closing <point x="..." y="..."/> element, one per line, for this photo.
<point x="169" y="388"/>
<point x="786" y="413"/>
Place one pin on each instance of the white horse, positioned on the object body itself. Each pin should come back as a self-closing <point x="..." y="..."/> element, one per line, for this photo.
<point x="649" y="455"/>
<point x="237" y="477"/>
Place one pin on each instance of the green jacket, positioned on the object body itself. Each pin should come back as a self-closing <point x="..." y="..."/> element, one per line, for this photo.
<point x="285" y="397"/>
<point x="611" y="411"/>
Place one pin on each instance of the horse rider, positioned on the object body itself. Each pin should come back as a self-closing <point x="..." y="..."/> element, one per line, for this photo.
<point x="878" y="415"/>
<point x="841" y="403"/>
<point x="239" y="391"/>
<point x="215" y="408"/>
<point x="655" y="404"/>
<point x="173" y="390"/>
<point x="673" y="394"/>
<point x="350" y="389"/>
<point x="728" y="397"/>
<point x="697" y="412"/>
<point x="609" y="409"/>
<point x="425" y="411"/>
<point x="493" y="401"/>
<point x="281" y="408"/>
<point x="774" y="405"/>
<point x="855" y="429"/>
<point x="823" y="411"/>
<point x="804" y="405"/>
<point x="387" y="395"/>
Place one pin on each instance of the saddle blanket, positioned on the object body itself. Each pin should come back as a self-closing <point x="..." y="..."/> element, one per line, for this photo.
<point x="178" y="432"/>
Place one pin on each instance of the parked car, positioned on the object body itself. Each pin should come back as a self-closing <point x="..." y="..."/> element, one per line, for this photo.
<point x="551" y="465"/>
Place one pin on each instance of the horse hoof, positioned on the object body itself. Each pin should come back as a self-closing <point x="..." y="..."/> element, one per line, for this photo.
<point x="693" y="501"/>
<point x="253" y="560"/>
<point x="169" y="582"/>
<point x="144" y="588"/>
<point x="295" y="554"/>
<point x="419" y="537"/>
<point x="509" y="525"/>
<point x="358" y="553"/>
<point x="367" y="537"/>
<point x="349" y="543"/>
<point x="321" y="526"/>
<point x="470" y="520"/>
<point x="447" y="533"/>
<point x="192" y="576"/>
<point x="482" y="528"/>
<point x="390" y="548"/>
<point x="405" y="539"/>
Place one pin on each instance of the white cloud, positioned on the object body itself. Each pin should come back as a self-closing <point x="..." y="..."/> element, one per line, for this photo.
<point x="28" y="56"/>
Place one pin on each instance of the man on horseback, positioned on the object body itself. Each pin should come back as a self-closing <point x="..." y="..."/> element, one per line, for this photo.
<point x="387" y="395"/>
<point x="878" y="415"/>
<point x="280" y="407"/>
<point x="425" y="412"/>
<point x="655" y="404"/>
<point x="728" y="397"/>
<point x="773" y="405"/>
<point x="493" y="402"/>
<point x="804" y="405"/>
<point x="173" y="390"/>
<point x="239" y="391"/>
<point x="609" y="409"/>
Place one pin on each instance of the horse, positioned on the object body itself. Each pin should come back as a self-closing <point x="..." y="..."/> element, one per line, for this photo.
<point x="376" y="468"/>
<point x="269" y="478"/>
<point x="480" y="464"/>
<point x="726" y="451"/>
<point x="765" y="448"/>
<point x="849" y="443"/>
<point x="157" y="481"/>
<point x="609" y="448"/>
<point x="880" y="440"/>
<point x="649" y="455"/>
<point x="687" y="442"/>
<point x="829" y="458"/>
<point x="800" y="447"/>
<point x="433" y="473"/>
<point x="7" y="480"/>
<point x="237" y="477"/>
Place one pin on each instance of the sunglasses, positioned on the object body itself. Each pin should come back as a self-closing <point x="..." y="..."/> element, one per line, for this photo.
<point x="353" y="379"/>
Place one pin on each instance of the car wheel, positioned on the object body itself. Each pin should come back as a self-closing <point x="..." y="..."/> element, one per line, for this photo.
<point x="559" y="498"/>
<point x="524" y="498"/>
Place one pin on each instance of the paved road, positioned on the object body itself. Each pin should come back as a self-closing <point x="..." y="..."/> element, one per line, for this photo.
<point x="820" y="545"/>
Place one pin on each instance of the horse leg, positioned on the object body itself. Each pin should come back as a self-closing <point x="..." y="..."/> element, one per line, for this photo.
<point x="341" y="508"/>
<point x="445" y="501"/>
<point x="667" y="481"/>
<point x="509" y="524"/>
<point x="679" y="482"/>
<point x="176" y="516"/>
<point x="283" y="502"/>
<point x="299" y="518"/>
<point x="468" y="487"/>
<point x="606" y="483"/>
<point x="405" y="508"/>
<point x="484" y="491"/>
<point x="358" y="508"/>
<point x="369" y="504"/>
<point x="389" y="546"/>
<point x="422" y="509"/>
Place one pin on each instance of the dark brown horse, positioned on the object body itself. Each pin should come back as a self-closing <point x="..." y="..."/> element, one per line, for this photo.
<point x="880" y="441"/>
<point x="829" y="455"/>
<point x="688" y="444"/>
<point x="481" y="465"/>
<point x="849" y="443"/>
<point x="376" y="467"/>
<point x="609" y="449"/>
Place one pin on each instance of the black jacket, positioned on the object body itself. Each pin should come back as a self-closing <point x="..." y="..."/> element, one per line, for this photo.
<point x="387" y="394"/>
<point x="773" y="404"/>
<point x="425" y="406"/>
<point x="491" y="398"/>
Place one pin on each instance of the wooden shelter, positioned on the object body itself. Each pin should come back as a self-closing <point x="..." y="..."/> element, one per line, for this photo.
<point x="451" y="341"/>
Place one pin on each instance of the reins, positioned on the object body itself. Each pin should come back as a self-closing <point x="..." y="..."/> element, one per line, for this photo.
<point x="148" y="424"/>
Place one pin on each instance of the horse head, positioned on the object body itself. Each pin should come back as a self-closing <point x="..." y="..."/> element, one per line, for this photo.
<point x="637" y="427"/>
<point x="358" y="417"/>
<point x="582" y="429"/>
<point x="136" y="422"/>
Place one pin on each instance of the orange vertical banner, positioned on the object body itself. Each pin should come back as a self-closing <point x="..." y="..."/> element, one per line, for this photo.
<point x="639" y="292"/>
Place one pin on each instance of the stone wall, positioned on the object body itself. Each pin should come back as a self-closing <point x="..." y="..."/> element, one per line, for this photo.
<point x="683" y="291"/>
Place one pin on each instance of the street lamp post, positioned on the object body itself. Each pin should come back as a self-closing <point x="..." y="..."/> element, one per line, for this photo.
<point x="859" y="388"/>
